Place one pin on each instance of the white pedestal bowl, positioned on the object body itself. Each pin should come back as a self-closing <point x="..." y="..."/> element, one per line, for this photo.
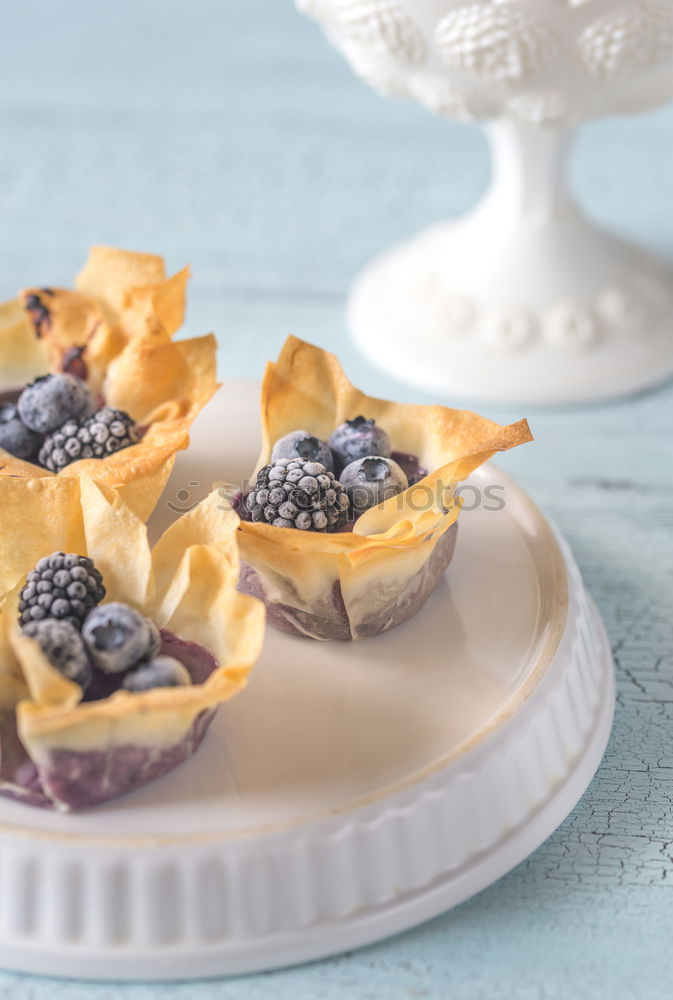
<point x="524" y="299"/>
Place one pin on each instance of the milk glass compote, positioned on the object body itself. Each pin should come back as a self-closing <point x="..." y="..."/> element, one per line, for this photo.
<point x="523" y="299"/>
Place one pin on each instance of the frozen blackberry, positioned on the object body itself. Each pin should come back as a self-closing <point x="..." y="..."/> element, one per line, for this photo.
<point x="369" y="481"/>
<point x="69" y="443"/>
<point x="62" y="586"/>
<point x="117" y="637"/>
<point x="161" y="672"/>
<point x="102" y="434"/>
<point x="301" y="444"/>
<point x="111" y="430"/>
<point x="15" y="437"/>
<point x="62" y="645"/>
<point x="292" y="493"/>
<point x="359" y="438"/>
<point x="50" y="400"/>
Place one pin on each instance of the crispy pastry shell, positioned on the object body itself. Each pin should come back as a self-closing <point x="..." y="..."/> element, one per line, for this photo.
<point x="22" y="355"/>
<point x="354" y="585"/>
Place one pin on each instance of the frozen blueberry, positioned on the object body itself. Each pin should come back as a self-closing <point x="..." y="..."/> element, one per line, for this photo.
<point x="301" y="444"/>
<point x="118" y="637"/>
<point x="52" y="399"/>
<point x="62" y="645"/>
<point x="369" y="481"/>
<point x="15" y="437"/>
<point x="155" y="640"/>
<point x="359" y="438"/>
<point x="161" y="672"/>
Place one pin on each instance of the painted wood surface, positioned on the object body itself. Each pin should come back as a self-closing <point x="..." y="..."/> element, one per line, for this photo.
<point x="229" y="135"/>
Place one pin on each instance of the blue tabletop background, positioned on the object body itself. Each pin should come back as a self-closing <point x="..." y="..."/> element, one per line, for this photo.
<point x="230" y="136"/>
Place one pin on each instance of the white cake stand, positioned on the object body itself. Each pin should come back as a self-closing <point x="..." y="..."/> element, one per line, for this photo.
<point x="354" y="790"/>
<point x="524" y="299"/>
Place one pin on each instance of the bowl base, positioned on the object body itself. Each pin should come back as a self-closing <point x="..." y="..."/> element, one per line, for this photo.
<point x="553" y="312"/>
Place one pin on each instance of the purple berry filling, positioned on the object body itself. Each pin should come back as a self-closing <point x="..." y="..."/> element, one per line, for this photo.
<point x="410" y="466"/>
<point x="39" y="312"/>
<point x="329" y="619"/>
<point x="73" y="780"/>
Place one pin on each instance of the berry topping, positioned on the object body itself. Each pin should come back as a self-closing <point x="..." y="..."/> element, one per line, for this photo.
<point x="155" y="640"/>
<point x="410" y="466"/>
<point x="38" y="311"/>
<point x="359" y="438"/>
<point x="73" y="362"/>
<point x="15" y="437"/>
<point x="70" y="443"/>
<point x="301" y="444"/>
<point x="101" y="434"/>
<point x="161" y="672"/>
<point x="369" y="481"/>
<point x="292" y="493"/>
<point x="50" y="400"/>
<point x="61" y="586"/>
<point x="62" y="645"/>
<point x="118" y="637"/>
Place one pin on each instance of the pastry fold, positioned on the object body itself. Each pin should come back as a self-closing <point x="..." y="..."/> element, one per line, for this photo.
<point x="59" y="751"/>
<point x="355" y="585"/>
<point x="22" y="356"/>
<point x="116" y="331"/>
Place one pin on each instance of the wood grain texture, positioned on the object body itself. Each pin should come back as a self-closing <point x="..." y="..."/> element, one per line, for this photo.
<point x="230" y="136"/>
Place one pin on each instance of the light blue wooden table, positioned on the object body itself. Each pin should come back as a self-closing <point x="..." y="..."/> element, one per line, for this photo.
<point x="229" y="135"/>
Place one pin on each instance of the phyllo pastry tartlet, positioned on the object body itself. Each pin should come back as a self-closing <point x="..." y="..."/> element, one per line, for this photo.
<point x="118" y="394"/>
<point x="350" y="517"/>
<point x="113" y="656"/>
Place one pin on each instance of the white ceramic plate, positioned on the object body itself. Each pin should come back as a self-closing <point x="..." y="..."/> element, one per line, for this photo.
<point x="354" y="789"/>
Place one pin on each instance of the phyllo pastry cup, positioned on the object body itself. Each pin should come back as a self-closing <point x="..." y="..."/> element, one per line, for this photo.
<point x="355" y="584"/>
<point x="116" y="331"/>
<point x="60" y="751"/>
<point x="22" y="355"/>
